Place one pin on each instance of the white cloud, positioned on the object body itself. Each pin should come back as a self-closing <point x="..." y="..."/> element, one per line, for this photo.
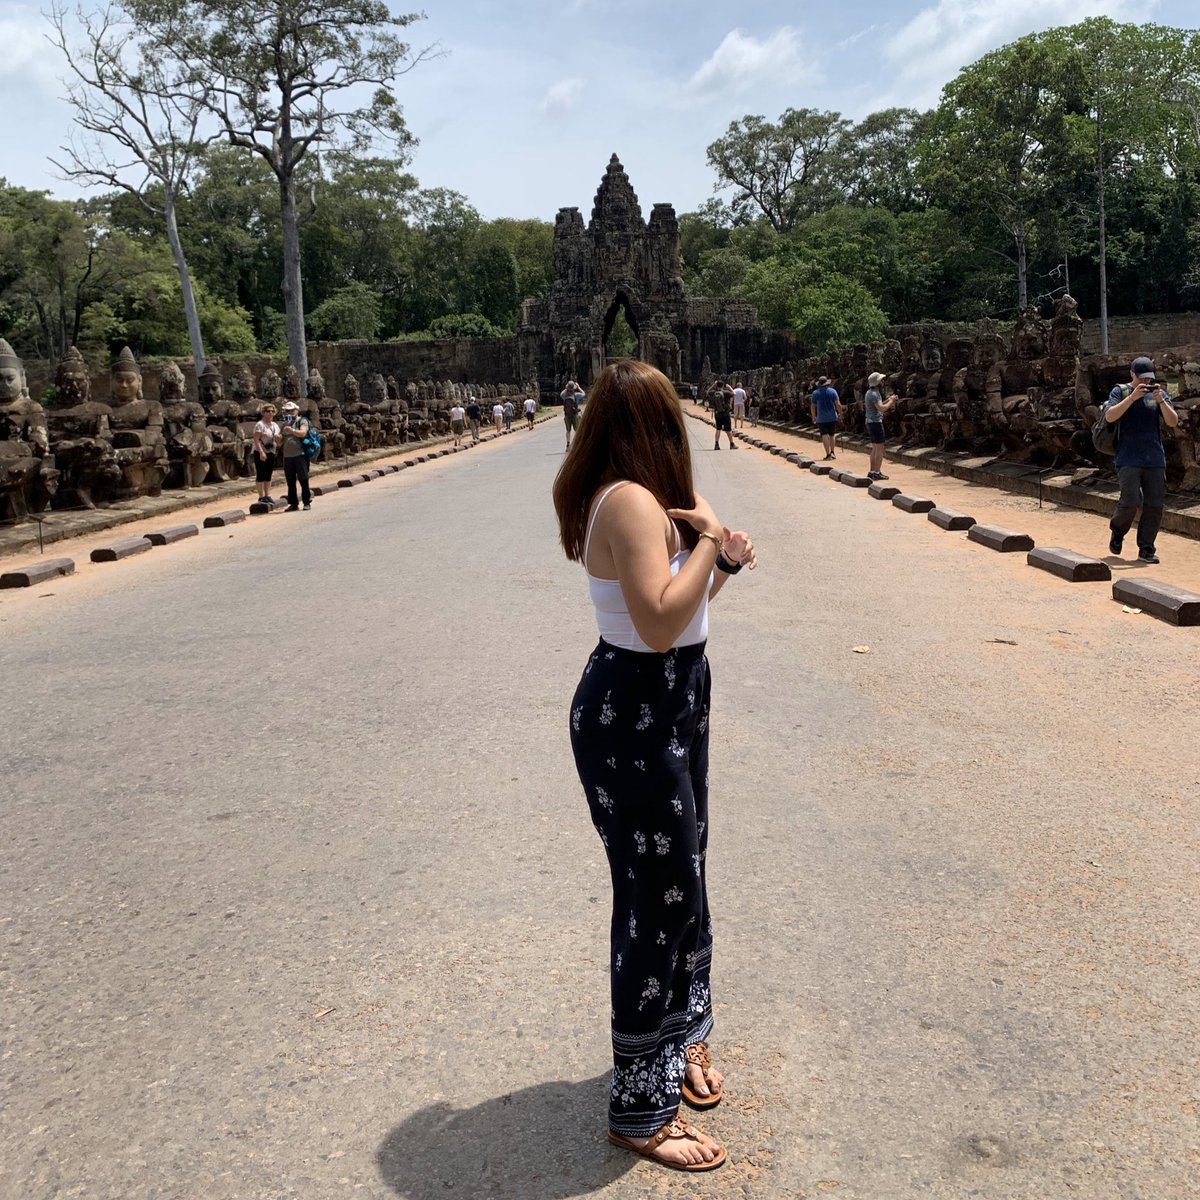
<point x="27" y="54"/>
<point x="941" y="39"/>
<point x="742" y="62"/>
<point x="561" y="98"/>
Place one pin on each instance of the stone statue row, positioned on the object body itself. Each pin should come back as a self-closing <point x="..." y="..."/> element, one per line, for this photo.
<point x="1032" y="398"/>
<point x="81" y="453"/>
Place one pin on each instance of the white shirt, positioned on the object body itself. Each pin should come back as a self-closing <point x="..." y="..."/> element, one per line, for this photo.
<point x="530" y="405"/>
<point x="739" y="395"/>
<point x="458" y="413"/>
<point x="497" y="411"/>
<point x="268" y="434"/>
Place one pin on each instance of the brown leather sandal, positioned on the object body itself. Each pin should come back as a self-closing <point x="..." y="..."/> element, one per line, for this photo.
<point x="697" y="1055"/>
<point x="674" y="1128"/>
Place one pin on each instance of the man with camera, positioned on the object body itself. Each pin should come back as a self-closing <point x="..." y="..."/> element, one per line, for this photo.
<point x="295" y="462"/>
<point x="1135" y="408"/>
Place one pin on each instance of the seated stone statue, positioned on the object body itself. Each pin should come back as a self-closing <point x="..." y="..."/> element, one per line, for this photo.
<point x="137" y="427"/>
<point x="222" y="422"/>
<point x="351" y="411"/>
<point x="325" y="414"/>
<point x="189" y="444"/>
<point x="83" y="441"/>
<point x="28" y="478"/>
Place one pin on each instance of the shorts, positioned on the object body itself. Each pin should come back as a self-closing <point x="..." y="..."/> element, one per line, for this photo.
<point x="570" y="419"/>
<point x="828" y="428"/>
<point x="457" y="426"/>
<point x="723" y="422"/>
<point x="264" y="467"/>
<point x="739" y="410"/>
<point x="875" y="432"/>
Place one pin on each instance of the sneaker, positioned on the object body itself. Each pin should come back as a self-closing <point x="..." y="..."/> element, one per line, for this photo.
<point x="1147" y="556"/>
<point x="292" y="508"/>
<point x="733" y="445"/>
<point x="880" y="475"/>
<point x="265" y="500"/>
<point x="717" y="446"/>
<point x="1115" y="543"/>
<point x="827" y="458"/>
<point x="307" y="507"/>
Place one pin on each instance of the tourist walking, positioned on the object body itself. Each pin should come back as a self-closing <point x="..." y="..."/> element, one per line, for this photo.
<point x="530" y="409"/>
<point x="739" y="406"/>
<point x="570" y="402"/>
<point x="655" y="554"/>
<point x="1141" y="462"/>
<point x="722" y="397"/>
<point x="875" y="406"/>
<point x="458" y="421"/>
<point x="473" y="415"/>
<point x="498" y="416"/>
<point x="295" y="462"/>
<point x="510" y="411"/>
<point x="755" y="408"/>
<point x="266" y="438"/>
<point x="827" y="411"/>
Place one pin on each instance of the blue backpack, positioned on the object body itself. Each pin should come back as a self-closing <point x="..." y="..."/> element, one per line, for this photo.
<point x="311" y="443"/>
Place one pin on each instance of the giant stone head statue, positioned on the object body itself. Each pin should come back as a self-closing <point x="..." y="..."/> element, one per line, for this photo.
<point x="170" y="383"/>
<point x="126" y="378"/>
<point x="210" y="387"/>
<point x="72" y="380"/>
<point x="12" y="374"/>
<point x="316" y="385"/>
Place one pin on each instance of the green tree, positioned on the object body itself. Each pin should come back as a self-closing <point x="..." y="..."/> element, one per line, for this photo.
<point x="883" y="152"/>
<point x="56" y="259"/>
<point x="351" y="312"/>
<point x="1001" y="142"/>
<point x="783" y="170"/>
<point x="137" y="113"/>
<point x="456" y="325"/>
<point x="286" y="79"/>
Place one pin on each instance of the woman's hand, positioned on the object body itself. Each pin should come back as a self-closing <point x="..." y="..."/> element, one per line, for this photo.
<point x="738" y="548"/>
<point x="701" y="517"/>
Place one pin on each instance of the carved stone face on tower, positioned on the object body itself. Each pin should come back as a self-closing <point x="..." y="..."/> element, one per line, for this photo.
<point x="12" y="374"/>
<point x="72" y="380"/>
<point x="126" y="378"/>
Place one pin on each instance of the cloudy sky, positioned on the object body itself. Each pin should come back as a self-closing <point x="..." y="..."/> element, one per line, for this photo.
<point x="531" y="97"/>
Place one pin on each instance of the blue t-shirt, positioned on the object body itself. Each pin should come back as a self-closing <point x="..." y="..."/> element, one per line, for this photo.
<point x="825" y="399"/>
<point x="1139" y="442"/>
<point x="871" y="399"/>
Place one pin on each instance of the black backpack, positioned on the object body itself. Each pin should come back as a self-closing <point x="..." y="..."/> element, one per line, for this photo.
<point x="1104" y="433"/>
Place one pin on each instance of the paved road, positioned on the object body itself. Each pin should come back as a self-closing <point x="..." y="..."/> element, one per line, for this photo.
<point x="322" y="768"/>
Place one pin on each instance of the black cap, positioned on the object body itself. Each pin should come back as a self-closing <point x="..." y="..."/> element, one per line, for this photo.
<point x="1142" y="367"/>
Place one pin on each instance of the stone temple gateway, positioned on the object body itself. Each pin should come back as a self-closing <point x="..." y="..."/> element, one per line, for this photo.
<point x="621" y="262"/>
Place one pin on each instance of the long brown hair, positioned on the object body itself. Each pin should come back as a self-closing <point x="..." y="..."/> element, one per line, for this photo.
<point x="632" y="428"/>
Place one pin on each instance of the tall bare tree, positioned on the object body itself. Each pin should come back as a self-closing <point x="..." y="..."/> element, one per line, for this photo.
<point x="285" y="79"/>
<point x="139" y="115"/>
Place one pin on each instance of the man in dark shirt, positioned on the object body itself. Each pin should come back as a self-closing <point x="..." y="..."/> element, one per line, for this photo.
<point x="473" y="412"/>
<point x="1141" y="462"/>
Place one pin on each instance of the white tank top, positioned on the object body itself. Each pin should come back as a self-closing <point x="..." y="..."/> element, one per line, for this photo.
<point x="612" y="613"/>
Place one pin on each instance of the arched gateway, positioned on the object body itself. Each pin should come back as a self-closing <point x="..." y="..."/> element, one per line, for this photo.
<point x="620" y="262"/>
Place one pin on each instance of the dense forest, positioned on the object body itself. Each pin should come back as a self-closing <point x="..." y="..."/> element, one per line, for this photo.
<point x="1068" y="159"/>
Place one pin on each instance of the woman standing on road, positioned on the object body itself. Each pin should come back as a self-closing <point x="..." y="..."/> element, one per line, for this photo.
<point x="266" y="436"/>
<point x="639" y="731"/>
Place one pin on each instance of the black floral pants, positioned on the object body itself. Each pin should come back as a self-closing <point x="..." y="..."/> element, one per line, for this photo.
<point x="639" y="731"/>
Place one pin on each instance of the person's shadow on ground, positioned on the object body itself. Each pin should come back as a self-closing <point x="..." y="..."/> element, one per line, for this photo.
<point x="542" y="1143"/>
